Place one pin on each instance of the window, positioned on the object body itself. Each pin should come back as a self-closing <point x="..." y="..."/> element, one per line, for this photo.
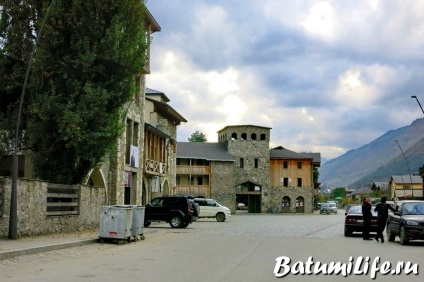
<point x="190" y="180"/>
<point x="285" y="182"/>
<point x="263" y="136"/>
<point x="178" y="180"/>
<point x="234" y="135"/>
<point x="285" y="164"/>
<point x="256" y="163"/>
<point x="244" y="136"/>
<point x="253" y="136"/>
<point x="131" y="138"/>
<point x="299" y="182"/>
<point x="241" y="163"/>
<point x="199" y="180"/>
<point x="299" y="165"/>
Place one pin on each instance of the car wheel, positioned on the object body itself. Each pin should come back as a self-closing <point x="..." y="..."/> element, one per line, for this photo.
<point x="390" y="235"/>
<point x="220" y="217"/>
<point x="176" y="221"/>
<point x="146" y="224"/>
<point x="347" y="232"/>
<point x="404" y="240"/>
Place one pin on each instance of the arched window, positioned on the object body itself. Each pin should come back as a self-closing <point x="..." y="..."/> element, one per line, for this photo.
<point x="244" y="136"/>
<point x="285" y="205"/>
<point x="253" y="136"/>
<point x="234" y="136"/>
<point x="263" y="136"/>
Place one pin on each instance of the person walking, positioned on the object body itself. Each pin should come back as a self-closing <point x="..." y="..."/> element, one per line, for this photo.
<point x="382" y="210"/>
<point x="366" y="215"/>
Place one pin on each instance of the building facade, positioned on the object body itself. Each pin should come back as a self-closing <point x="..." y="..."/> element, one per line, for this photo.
<point x="241" y="169"/>
<point x="406" y="186"/>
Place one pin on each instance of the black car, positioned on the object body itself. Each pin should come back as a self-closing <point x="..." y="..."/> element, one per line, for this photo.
<point x="407" y="222"/>
<point x="178" y="211"/>
<point x="354" y="221"/>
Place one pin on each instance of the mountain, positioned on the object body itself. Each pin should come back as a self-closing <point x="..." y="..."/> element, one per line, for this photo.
<point x="378" y="160"/>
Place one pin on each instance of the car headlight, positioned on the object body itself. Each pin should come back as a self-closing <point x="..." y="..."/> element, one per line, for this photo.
<point x="410" y="222"/>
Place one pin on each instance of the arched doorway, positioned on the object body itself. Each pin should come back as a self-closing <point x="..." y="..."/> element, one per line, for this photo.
<point x="96" y="178"/>
<point x="285" y="205"/>
<point x="300" y="205"/>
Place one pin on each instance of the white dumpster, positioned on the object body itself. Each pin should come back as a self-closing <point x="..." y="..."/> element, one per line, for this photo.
<point x="116" y="223"/>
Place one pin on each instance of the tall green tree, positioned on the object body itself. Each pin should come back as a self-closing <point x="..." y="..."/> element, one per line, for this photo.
<point x="339" y="192"/>
<point x="83" y="73"/>
<point x="197" y="136"/>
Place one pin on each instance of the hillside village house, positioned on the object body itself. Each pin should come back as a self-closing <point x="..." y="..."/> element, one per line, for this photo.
<point x="125" y="177"/>
<point x="240" y="168"/>
<point x="406" y="186"/>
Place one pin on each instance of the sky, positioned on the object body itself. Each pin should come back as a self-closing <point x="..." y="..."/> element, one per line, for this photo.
<point x="326" y="76"/>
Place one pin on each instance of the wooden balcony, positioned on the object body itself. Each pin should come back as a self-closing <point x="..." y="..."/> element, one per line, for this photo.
<point x="193" y="170"/>
<point x="155" y="168"/>
<point x="194" y="190"/>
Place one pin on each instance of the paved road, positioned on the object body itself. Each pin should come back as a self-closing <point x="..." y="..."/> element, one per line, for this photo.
<point x="242" y="249"/>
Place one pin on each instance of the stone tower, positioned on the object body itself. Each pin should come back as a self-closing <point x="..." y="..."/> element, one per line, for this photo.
<point x="249" y="144"/>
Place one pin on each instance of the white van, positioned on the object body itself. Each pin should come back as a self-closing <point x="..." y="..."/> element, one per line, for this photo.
<point x="209" y="208"/>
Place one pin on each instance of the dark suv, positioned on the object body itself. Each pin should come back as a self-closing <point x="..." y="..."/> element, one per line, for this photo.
<point x="175" y="210"/>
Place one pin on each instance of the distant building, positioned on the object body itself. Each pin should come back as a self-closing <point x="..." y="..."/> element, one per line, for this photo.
<point x="241" y="169"/>
<point x="377" y="186"/>
<point x="406" y="186"/>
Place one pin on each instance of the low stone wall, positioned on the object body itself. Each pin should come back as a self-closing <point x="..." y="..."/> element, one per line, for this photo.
<point x="32" y="207"/>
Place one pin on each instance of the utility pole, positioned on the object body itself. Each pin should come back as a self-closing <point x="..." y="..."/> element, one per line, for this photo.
<point x="410" y="176"/>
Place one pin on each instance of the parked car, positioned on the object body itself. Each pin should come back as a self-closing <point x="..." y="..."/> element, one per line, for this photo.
<point x="407" y="222"/>
<point x="354" y="221"/>
<point x="175" y="210"/>
<point x="328" y="208"/>
<point x="209" y="208"/>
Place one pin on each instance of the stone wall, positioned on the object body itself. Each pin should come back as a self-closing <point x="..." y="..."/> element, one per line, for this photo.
<point x="32" y="206"/>
<point x="273" y="198"/>
<point x="223" y="185"/>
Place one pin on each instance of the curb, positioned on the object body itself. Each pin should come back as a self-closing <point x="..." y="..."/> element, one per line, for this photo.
<point x="36" y="250"/>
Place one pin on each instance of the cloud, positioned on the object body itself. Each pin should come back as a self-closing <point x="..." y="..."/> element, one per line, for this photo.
<point x="327" y="76"/>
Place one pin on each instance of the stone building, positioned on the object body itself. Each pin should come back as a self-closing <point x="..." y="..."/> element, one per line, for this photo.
<point x="292" y="186"/>
<point x="241" y="168"/>
<point x="160" y="135"/>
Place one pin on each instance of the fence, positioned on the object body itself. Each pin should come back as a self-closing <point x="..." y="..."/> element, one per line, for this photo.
<point x="45" y="208"/>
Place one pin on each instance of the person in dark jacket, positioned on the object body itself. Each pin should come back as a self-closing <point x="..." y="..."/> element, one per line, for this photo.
<point x="382" y="210"/>
<point x="366" y="215"/>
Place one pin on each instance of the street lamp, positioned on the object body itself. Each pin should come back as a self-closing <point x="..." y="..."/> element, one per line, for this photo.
<point x="410" y="177"/>
<point x="13" y="217"/>
<point x="418" y="103"/>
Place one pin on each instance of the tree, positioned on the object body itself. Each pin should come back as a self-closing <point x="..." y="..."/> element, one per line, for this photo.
<point x="83" y="73"/>
<point x="197" y="136"/>
<point x="339" y="192"/>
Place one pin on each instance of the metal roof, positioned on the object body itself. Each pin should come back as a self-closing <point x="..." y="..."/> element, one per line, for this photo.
<point x="204" y="150"/>
<point x="406" y="179"/>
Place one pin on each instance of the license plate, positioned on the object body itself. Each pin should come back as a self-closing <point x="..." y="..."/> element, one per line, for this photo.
<point x="359" y="221"/>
